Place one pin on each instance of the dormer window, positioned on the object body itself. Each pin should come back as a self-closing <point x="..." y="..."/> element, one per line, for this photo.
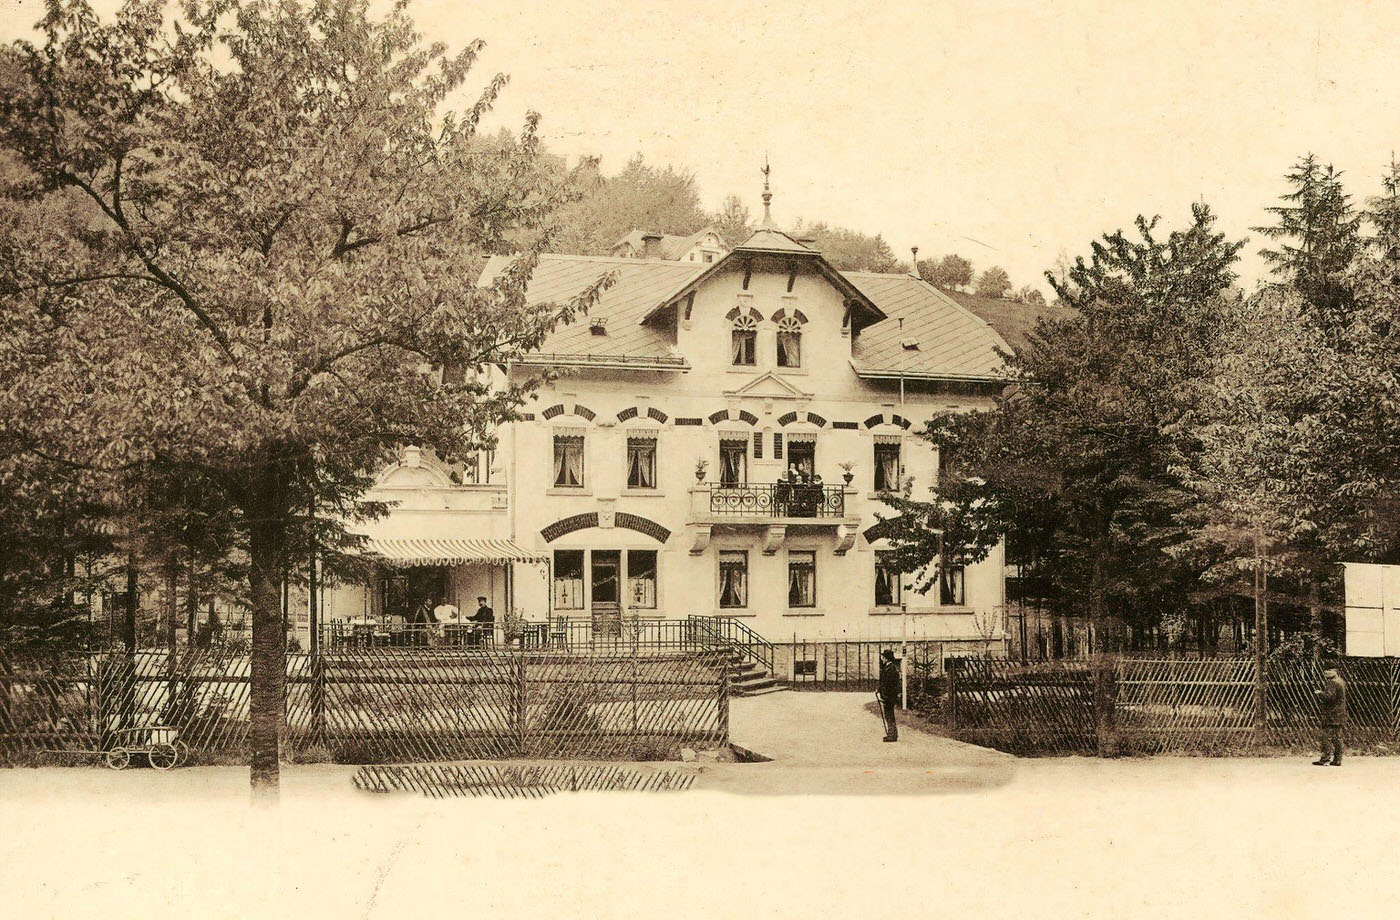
<point x="744" y="341"/>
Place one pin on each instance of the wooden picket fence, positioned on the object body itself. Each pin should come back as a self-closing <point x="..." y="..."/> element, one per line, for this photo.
<point x="373" y="705"/>
<point x="854" y="664"/>
<point x="1112" y="705"/>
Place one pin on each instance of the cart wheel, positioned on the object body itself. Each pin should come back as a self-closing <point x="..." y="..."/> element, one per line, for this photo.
<point x="163" y="756"/>
<point x="182" y="753"/>
<point x="118" y="758"/>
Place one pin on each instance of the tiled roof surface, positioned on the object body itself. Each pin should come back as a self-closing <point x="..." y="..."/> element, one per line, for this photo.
<point x="640" y="284"/>
<point x="951" y="340"/>
<point x="773" y="241"/>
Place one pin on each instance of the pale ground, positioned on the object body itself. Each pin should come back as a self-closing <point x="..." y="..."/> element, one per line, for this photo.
<point x="1069" y="837"/>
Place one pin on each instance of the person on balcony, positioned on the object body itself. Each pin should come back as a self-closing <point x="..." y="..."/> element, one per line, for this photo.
<point x="485" y="620"/>
<point x="444" y="614"/>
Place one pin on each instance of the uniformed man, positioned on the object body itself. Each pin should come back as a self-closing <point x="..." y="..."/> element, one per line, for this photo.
<point x="1332" y="705"/>
<point x="888" y="693"/>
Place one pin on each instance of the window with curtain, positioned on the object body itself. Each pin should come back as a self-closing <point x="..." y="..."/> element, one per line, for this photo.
<point x="568" y="579"/>
<point x="641" y="579"/>
<point x="744" y="341"/>
<point x="641" y="463"/>
<point x="887" y="475"/>
<point x="950" y="585"/>
<point x="568" y="461"/>
<point x="733" y="461"/>
<point x="733" y="579"/>
<point x="790" y="342"/>
<point x="888" y="590"/>
<point x="802" y="579"/>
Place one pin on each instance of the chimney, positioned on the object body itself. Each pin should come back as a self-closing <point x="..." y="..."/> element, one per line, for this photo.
<point x="651" y="243"/>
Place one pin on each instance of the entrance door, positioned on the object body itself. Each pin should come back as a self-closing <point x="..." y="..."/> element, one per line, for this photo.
<point x="606" y="581"/>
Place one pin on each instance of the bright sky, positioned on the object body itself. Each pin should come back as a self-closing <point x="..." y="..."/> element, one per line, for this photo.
<point x="1008" y="132"/>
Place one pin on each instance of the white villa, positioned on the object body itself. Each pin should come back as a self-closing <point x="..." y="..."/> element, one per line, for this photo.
<point x="646" y="480"/>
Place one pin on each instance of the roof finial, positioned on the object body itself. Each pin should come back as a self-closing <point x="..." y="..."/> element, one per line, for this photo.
<point x="767" y="197"/>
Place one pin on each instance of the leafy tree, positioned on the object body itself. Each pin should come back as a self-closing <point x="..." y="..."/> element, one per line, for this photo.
<point x="1079" y="458"/>
<point x="952" y="272"/>
<point x="287" y="220"/>
<point x="1030" y="295"/>
<point x="1318" y="234"/>
<point x="994" y="282"/>
<point x="849" y="250"/>
<point x="1384" y="212"/>
<point x="640" y="197"/>
<point x="733" y="220"/>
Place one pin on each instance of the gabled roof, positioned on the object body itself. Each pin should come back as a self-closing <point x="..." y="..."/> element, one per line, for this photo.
<point x="672" y="248"/>
<point x="640" y="282"/>
<point x="771" y="241"/>
<point x="936" y="338"/>
<point x="952" y="342"/>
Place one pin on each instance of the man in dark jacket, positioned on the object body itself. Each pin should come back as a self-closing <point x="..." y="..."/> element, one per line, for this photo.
<point x="888" y="693"/>
<point x="1332" y="705"/>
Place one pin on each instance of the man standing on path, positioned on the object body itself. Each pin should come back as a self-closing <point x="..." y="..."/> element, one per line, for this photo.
<point x="888" y="693"/>
<point x="1332" y="703"/>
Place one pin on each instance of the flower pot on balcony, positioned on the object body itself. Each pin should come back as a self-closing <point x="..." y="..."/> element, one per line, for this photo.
<point x="848" y="476"/>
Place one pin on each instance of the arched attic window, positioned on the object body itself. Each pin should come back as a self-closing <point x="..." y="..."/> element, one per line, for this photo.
<point x="790" y="338"/>
<point x="744" y="340"/>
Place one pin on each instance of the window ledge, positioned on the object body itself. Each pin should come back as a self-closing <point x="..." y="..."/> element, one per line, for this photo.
<point x="804" y="612"/>
<point x="582" y="492"/>
<point x="643" y="493"/>
<point x="733" y="612"/>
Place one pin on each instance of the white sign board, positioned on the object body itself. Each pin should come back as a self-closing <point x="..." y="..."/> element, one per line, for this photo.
<point x="1373" y="609"/>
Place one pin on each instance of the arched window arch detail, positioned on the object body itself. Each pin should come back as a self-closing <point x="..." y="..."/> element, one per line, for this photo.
<point x="652" y="412"/>
<point x="555" y="411"/>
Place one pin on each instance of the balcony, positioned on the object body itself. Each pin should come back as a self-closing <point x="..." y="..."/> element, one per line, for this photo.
<point x="776" y="500"/>
<point x="775" y="506"/>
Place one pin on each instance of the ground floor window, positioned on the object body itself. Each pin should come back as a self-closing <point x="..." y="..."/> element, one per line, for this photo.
<point x="733" y="579"/>
<point x="641" y="578"/>
<point x="888" y="589"/>
<point x="950" y="585"/>
<point x="568" y="579"/>
<point x="804" y="667"/>
<point x="802" y="578"/>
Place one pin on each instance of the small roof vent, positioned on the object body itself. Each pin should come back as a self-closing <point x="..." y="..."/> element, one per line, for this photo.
<point x="598" y="325"/>
<point x="909" y="344"/>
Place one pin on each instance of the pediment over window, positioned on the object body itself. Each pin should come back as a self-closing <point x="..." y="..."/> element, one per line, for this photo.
<point x="416" y="469"/>
<point x="768" y="386"/>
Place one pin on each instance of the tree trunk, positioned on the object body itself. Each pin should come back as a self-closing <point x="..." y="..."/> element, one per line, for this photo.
<point x="191" y="600"/>
<point x="268" y="657"/>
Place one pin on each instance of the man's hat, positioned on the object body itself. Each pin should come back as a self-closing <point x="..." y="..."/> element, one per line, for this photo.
<point x="481" y="597"/>
<point x="888" y="653"/>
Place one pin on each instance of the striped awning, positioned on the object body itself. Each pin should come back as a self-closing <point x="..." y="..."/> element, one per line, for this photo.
<point x="449" y="551"/>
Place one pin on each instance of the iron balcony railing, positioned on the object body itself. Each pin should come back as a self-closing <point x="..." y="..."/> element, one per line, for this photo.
<point x="777" y="499"/>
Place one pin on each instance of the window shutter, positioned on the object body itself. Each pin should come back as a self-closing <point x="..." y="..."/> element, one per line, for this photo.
<point x="758" y="445"/>
<point x="777" y="445"/>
